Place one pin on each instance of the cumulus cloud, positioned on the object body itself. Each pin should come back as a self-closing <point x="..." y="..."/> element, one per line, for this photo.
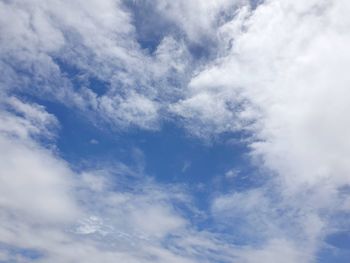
<point x="285" y="75"/>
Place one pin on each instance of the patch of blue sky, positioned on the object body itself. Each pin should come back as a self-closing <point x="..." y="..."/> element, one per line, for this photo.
<point x="150" y="27"/>
<point x="80" y="78"/>
<point x="169" y="155"/>
<point x="330" y="253"/>
<point x="14" y="254"/>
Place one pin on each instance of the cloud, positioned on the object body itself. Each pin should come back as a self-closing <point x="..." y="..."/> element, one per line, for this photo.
<point x="46" y="209"/>
<point x="276" y="250"/>
<point x="25" y="120"/>
<point x="199" y="27"/>
<point x="284" y="72"/>
<point x="278" y="73"/>
<point x="51" y="213"/>
<point x="231" y="174"/>
<point x="33" y="182"/>
<point x="86" y="55"/>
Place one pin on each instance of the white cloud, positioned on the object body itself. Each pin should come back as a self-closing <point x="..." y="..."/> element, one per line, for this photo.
<point x="50" y="213"/>
<point x="231" y="174"/>
<point x="275" y="251"/>
<point x="286" y="75"/>
<point x="58" y="215"/>
<point x="54" y="50"/>
<point x="33" y="181"/>
<point x="281" y="74"/>
<point x="94" y="38"/>
<point x="198" y="19"/>
<point x="26" y="120"/>
<point x="42" y="200"/>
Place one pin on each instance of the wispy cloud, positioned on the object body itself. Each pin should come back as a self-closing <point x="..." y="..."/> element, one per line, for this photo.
<point x="52" y="213"/>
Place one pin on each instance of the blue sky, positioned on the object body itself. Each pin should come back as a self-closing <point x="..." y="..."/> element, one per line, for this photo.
<point x="174" y="131"/>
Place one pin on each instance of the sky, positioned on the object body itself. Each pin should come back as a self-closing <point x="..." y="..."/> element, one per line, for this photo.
<point x="185" y="131"/>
